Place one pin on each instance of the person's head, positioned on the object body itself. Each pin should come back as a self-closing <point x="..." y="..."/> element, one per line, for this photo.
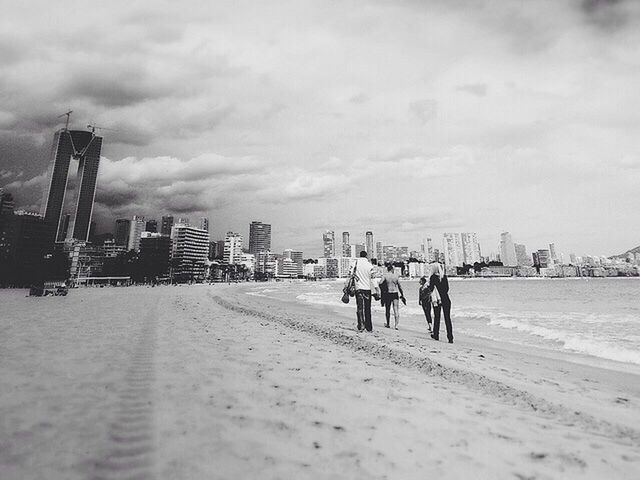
<point x="374" y="261"/>
<point x="423" y="280"/>
<point x="363" y="254"/>
<point x="389" y="268"/>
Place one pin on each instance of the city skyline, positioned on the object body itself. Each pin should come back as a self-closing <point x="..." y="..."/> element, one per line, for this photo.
<point x="486" y="117"/>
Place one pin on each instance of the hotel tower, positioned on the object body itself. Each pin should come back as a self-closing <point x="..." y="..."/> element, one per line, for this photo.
<point x="73" y="170"/>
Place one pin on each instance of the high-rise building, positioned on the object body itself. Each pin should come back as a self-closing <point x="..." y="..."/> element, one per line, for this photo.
<point x="123" y="227"/>
<point x="184" y="221"/>
<point x="73" y="172"/>
<point x="151" y="226"/>
<point x="470" y="248"/>
<point x="23" y="243"/>
<point x="522" y="257"/>
<point x="7" y="204"/>
<point x="167" y="224"/>
<point x="346" y="245"/>
<point x="232" y="248"/>
<point x="329" y="244"/>
<point x="507" y="250"/>
<point x="427" y="250"/>
<point x="573" y="259"/>
<point x="297" y="257"/>
<point x="137" y="227"/>
<point x="204" y="223"/>
<point x="544" y="258"/>
<point x="452" y="248"/>
<point x="190" y="247"/>
<point x="155" y="252"/>
<point x="552" y="253"/>
<point x="379" y="252"/>
<point x="259" y="237"/>
<point x="368" y="243"/>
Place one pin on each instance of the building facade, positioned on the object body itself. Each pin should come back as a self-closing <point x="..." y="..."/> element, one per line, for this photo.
<point x="329" y="244"/>
<point x="470" y="248"/>
<point x="259" y="237"/>
<point x="452" y="249"/>
<point x="190" y="247"/>
<point x="507" y="250"/>
<point x="135" y="231"/>
<point x="70" y="193"/>
<point x="522" y="257"/>
<point x="232" y="248"/>
<point x="346" y="244"/>
<point x="369" y="244"/>
<point x="166" y="225"/>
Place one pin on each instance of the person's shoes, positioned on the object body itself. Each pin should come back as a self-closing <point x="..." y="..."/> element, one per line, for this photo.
<point x="387" y="325"/>
<point x="450" y="341"/>
<point x="396" y="328"/>
<point x="434" y="337"/>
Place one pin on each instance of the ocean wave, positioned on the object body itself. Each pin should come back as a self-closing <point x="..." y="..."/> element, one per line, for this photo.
<point x="571" y="341"/>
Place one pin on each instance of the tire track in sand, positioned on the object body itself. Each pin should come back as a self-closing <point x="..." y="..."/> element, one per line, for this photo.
<point x="131" y="437"/>
<point x="477" y="382"/>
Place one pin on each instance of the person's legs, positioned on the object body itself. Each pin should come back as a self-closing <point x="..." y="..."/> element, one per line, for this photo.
<point x="396" y="311"/>
<point x="436" y="322"/>
<point x="360" y="309"/>
<point x="367" y="311"/>
<point x="387" y="310"/>
<point x="426" y="307"/>
<point x="446" y="311"/>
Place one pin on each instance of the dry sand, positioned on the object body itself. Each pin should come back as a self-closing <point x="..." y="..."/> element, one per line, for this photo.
<point x="208" y="382"/>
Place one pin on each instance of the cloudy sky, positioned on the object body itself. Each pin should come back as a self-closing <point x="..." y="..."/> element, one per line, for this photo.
<point x="407" y="118"/>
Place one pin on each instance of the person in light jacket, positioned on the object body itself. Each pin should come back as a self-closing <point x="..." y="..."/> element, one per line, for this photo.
<point x="364" y="275"/>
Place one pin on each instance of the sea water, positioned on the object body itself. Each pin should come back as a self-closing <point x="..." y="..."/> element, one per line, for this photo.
<point x="599" y="318"/>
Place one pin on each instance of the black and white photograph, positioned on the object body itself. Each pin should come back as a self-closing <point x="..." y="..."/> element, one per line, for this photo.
<point x="320" y="239"/>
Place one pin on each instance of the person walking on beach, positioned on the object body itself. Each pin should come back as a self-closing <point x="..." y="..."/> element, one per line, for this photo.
<point x="439" y="284"/>
<point x="364" y="275"/>
<point x="424" y="300"/>
<point x="393" y="294"/>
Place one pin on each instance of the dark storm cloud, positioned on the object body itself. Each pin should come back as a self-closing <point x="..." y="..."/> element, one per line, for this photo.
<point x="609" y="14"/>
<point x="121" y="85"/>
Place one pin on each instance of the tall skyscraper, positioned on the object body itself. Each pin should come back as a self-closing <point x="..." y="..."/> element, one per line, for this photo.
<point x="552" y="253"/>
<point x="346" y="244"/>
<point x="73" y="171"/>
<point x="379" y="252"/>
<point x="137" y="227"/>
<point x="329" y="244"/>
<point x="470" y="248"/>
<point x="123" y="227"/>
<point x="167" y="224"/>
<point x="507" y="250"/>
<point x="452" y="248"/>
<point x="259" y="237"/>
<point x="232" y="248"/>
<point x="368" y="243"/>
<point x="427" y="250"/>
<point x="204" y="224"/>
<point x="521" y="255"/>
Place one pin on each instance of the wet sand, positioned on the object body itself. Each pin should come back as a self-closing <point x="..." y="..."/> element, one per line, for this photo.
<point x="209" y="382"/>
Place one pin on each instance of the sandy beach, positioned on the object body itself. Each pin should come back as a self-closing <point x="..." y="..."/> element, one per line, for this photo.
<point x="204" y="381"/>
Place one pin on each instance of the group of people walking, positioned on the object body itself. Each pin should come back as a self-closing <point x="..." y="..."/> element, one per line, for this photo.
<point x="371" y="282"/>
